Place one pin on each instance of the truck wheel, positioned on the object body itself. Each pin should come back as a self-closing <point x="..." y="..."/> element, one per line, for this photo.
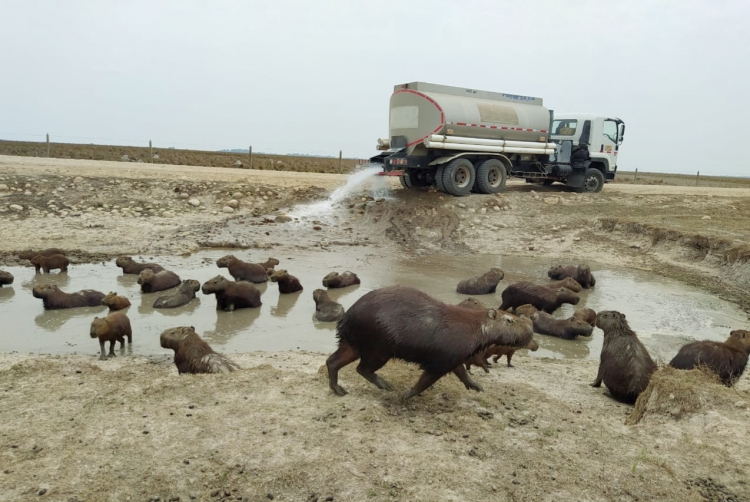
<point x="593" y="181"/>
<point x="548" y="182"/>
<point x="458" y="177"/>
<point x="405" y="180"/>
<point x="439" y="179"/>
<point x="491" y="176"/>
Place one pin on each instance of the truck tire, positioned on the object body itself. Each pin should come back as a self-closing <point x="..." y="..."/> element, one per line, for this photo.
<point x="405" y="180"/>
<point x="593" y="181"/>
<point x="439" y="179"/>
<point x="490" y="176"/>
<point x="548" y="182"/>
<point x="458" y="177"/>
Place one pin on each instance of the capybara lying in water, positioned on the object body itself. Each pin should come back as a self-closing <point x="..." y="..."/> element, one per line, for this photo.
<point x="586" y="315"/>
<point x="567" y="329"/>
<point x="625" y="366"/>
<point x="152" y="282"/>
<point x="54" y="298"/>
<point x="52" y="262"/>
<point x="541" y="297"/>
<point x="526" y="310"/>
<point x="726" y="359"/>
<point x="484" y="284"/>
<point x="130" y="266"/>
<point x="114" y="327"/>
<point x="568" y="283"/>
<point x="232" y="295"/>
<point x="243" y="271"/>
<point x="326" y="310"/>
<point x="115" y="302"/>
<point x="581" y="273"/>
<point x="6" y="278"/>
<point x="405" y="323"/>
<point x="336" y="280"/>
<point x="29" y="254"/>
<point x="472" y="303"/>
<point x="185" y="292"/>
<point x="192" y="354"/>
<point x="287" y="283"/>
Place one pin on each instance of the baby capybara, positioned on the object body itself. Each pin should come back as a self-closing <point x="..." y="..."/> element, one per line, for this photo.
<point x="52" y="262"/>
<point x="115" y="302"/>
<point x="29" y="254"/>
<point x="336" y="280"/>
<point x="6" y="278"/>
<point x="287" y="283"/>
<point x="114" y="327"/>
<point x="130" y="266"/>
<point x="405" y="323"/>
<point x="526" y="310"/>
<point x="541" y="297"/>
<point x="568" y="283"/>
<point x="726" y="359"/>
<point x="152" y="282"/>
<point x="184" y="294"/>
<point x="567" y="329"/>
<point x="581" y="273"/>
<point x="53" y="298"/>
<point x="243" y="271"/>
<point x="269" y="264"/>
<point x="586" y="315"/>
<point x="625" y="365"/>
<point x="326" y="310"/>
<point x="499" y="351"/>
<point x="484" y="284"/>
<point x="192" y="354"/>
<point x="472" y="303"/>
<point x="232" y="295"/>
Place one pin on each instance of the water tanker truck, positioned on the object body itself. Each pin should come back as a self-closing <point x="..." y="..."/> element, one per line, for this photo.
<point x="464" y="140"/>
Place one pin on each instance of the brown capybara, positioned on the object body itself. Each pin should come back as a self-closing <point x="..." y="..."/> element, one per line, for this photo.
<point x="586" y="315"/>
<point x="152" y="282"/>
<point x="114" y="327"/>
<point x="526" y="310"/>
<point x="336" y="280"/>
<point x="541" y="297"/>
<point x="243" y="271"/>
<point x="287" y="283"/>
<point x="232" y="295"/>
<point x="269" y="263"/>
<point x="326" y="310"/>
<point x="29" y="254"/>
<point x="185" y="292"/>
<point x="6" y="278"/>
<point x="115" y="302"/>
<point x="625" y="365"/>
<point x="484" y="284"/>
<point x="567" y="329"/>
<point x="498" y="351"/>
<point x="568" y="283"/>
<point x="405" y="323"/>
<point x="726" y="359"/>
<point x="192" y="354"/>
<point x="52" y="262"/>
<point x="130" y="266"/>
<point x="581" y="273"/>
<point x="54" y="298"/>
<point x="472" y="303"/>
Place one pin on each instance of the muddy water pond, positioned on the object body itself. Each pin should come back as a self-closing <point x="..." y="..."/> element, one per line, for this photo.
<point x="664" y="313"/>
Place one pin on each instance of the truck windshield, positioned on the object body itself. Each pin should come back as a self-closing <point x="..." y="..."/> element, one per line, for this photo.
<point x="564" y="127"/>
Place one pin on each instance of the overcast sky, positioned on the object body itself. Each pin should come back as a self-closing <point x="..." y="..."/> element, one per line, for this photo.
<point x="315" y="77"/>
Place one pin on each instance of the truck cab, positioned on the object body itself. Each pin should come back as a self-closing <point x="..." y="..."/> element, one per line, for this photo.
<point x="601" y="135"/>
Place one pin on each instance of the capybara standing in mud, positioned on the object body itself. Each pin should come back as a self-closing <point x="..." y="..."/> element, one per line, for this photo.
<point x="484" y="284"/>
<point x="541" y="297"/>
<point x="29" y="254"/>
<point x="326" y="310"/>
<point x="726" y="359"/>
<point x="52" y="262"/>
<point x="152" y="282"/>
<point x="184" y="294"/>
<point x="625" y="366"/>
<point x="568" y="283"/>
<point x="586" y="315"/>
<point x="405" y="323"/>
<point x="54" y="298"/>
<point x="336" y="280"/>
<point x="581" y="273"/>
<point x="130" y="266"/>
<point x="243" y="271"/>
<point x="6" y="278"/>
<point x="114" y="327"/>
<point x="115" y="302"/>
<point x="192" y="354"/>
<point x="232" y="295"/>
<point x="287" y="283"/>
<point x="567" y="329"/>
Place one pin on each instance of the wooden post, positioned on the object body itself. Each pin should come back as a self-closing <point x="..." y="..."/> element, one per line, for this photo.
<point x="250" y="157"/>
<point x="150" y="152"/>
<point x="47" y="145"/>
<point x="635" y="178"/>
<point x="340" y="154"/>
<point x="696" y="178"/>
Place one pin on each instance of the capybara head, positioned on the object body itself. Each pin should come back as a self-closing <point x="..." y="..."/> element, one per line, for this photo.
<point x="608" y="319"/>
<point x="44" y="290"/>
<point x="211" y="286"/>
<point x="224" y="261"/>
<point x="28" y="254"/>
<point x="580" y="328"/>
<point x="320" y="295"/>
<point x="472" y="303"/>
<point x="571" y="284"/>
<point x="109" y="298"/>
<point x="532" y="345"/>
<point x="271" y="262"/>
<point x="499" y="322"/>
<point x="526" y="310"/>
<point x="124" y="261"/>
<point x="171" y="338"/>
<point x="36" y="259"/>
<point x="96" y="326"/>
<point x="146" y="276"/>
<point x="278" y="275"/>
<point x="192" y="284"/>
<point x="497" y="272"/>
<point x="567" y="296"/>
<point x="741" y="338"/>
<point x="556" y="272"/>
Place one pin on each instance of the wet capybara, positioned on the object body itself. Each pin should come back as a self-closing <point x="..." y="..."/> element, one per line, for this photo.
<point x="6" y="278"/>
<point x="287" y="283"/>
<point x="568" y="283"/>
<point x="29" y="254"/>
<point x="472" y="303"/>
<point x="326" y="310"/>
<point x="567" y="329"/>
<point x="243" y="271"/>
<point x="232" y="295"/>
<point x="54" y="298"/>
<point x="625" y="365"/>
<point x="52" y="262"/>
<point x="541" y="297"/>
<point x="405" y="323"/>
<point x="586" y="315"/>
<point x="726" y="359"/>
<point x="192" y="354"/>
<point x="581" y="273"/>
<point x="114" y="327"/>
<point x="484" y="284"/>
<point x="526" y="310"/>
<point x="115" y="302"/>
<point x="130" y="266"/>
<point x="152" y="282"/>
<point x="185" y="292"/>
<point x="498" y="351"/>
<point x="269" y="264"/>
<point x="336" y="280"/>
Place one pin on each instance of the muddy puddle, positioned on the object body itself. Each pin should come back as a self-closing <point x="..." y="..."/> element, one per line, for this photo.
<point x="665" y="313"/>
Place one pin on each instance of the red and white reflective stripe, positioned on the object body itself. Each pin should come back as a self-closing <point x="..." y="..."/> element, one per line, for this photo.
<point x="503" y="128"/>
<point x="442" y="114"/>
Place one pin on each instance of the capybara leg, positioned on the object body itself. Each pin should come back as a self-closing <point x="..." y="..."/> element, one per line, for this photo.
<point x="598" y="381"/>
<point x="509" y="355"/>
<point x="343" y="356"/>
<point x="37" y="268"/>
<point x="494" y="359"/>
<point x="64" y="268"/>
<point x="470" y="384"/>
<point x="368" y="367"/>
<point x="122" y="343"/>
<point x="425" y="381"/>
<point x="484" y="364"/>
<point x="45" y="270"/>
<point x="103" y="356"/>
<point x="112" y="348"/>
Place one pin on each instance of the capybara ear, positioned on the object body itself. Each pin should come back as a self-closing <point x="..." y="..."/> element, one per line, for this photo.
<point x="492" y="313"/>
<point x="622" y="316"/>
<point x="739" y="333"/>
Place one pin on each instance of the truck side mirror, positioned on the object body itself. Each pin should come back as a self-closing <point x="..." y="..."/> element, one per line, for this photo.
<point x="621" y="136"/>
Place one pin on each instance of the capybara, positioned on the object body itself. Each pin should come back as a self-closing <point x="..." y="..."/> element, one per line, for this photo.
<point x="6" y="278"/>
<point x="243" y="271"/>
<point x="484" y="284"/>
<point x="581" y="273"/>
<point x="405" y="323"/>
<point x="336" y="280"/>
<point x="52" y="262"/>
<point x="232" y="295"/>
<point x="54" y="298"/>
<point x="499" y="350"/>
<point x="115" y="302"/>
<point x="625" y="366"/>
<point x="726" y="359"/>
<point x="567" y="329"/>
<point x="185" y="292"/>
<point x="568" y="283"/>
<point x="472" y="303"/>
<point x="130" y="266"/>
<point x="269" y="264"/>
<point x="541" y="297"/>
<point x="192" y="354"/>
<point x="114" y="327"/>
<point x="287" y="283"/>
<point x="526" y="310"/>
<point x="326" y="310"/>
<point x="585" y="315"/>
<point x="152" y="282"/>
<point x="29" y="254"/>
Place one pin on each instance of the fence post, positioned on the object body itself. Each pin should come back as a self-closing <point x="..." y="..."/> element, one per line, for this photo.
<point x="696" y="178"/>
<point x="340" y="154"/>
<point x="150" y="152"/>
<point x="636" y="175"/>
<point x="270" y="161"/>
<point x="250" y="157"/>
<point x="47" y="145"/>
